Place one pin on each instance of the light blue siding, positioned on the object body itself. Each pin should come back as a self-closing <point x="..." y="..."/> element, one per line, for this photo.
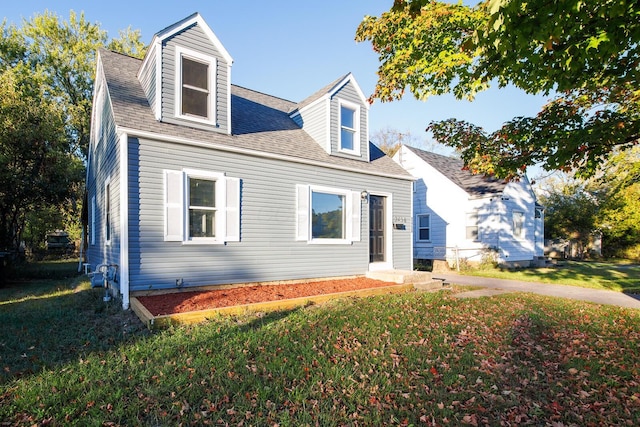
<point x="268" y="249"/>
<point x="103" y="167"/>
<point x="147" y="79"/>
<point x="314" y="121"/>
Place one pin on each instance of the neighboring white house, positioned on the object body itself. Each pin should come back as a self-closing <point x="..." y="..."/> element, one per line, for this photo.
<point x="194" y="181"/>
<point x="461" y="216"/>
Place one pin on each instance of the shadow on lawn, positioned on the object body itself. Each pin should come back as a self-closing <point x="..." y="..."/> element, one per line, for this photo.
<point x="56" y="322"/>
<point x="53" y="323"/>
<point x="617" y="277"/>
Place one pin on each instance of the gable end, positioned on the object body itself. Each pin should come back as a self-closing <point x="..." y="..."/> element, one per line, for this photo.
<point x="186" y="76"/>
<point x="337" y="118"/>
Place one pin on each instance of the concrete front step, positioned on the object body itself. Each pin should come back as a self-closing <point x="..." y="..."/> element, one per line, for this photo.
<point x="422" y="280"/>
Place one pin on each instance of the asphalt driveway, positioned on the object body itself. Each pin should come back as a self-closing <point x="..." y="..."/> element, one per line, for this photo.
<point x="494" y="286"/>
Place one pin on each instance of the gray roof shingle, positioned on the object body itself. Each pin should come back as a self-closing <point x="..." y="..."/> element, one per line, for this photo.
<point x="474" y="185"/>
<point x="319" y="94"/>
<point x="260" y="122"/>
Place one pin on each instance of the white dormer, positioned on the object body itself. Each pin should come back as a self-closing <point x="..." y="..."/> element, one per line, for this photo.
<point x="337" y="117"/>
<point x="186" y="75"/>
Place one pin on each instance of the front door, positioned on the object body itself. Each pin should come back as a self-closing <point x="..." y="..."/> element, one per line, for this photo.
<point x="376" y="229"/>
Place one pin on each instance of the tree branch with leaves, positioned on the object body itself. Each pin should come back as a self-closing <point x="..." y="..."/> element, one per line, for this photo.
<point x="584" y="54"/>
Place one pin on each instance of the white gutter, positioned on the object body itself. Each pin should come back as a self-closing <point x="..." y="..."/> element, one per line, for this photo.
<point x="124" y="219"/>
<point x="245" y="151"/>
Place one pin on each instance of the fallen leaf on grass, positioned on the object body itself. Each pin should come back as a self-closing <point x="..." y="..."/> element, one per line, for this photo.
<point x="470" y="419"/>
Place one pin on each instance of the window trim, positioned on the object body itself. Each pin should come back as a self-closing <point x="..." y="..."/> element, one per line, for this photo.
<point x="190" y="207"/>
<point x="220" y="203"/>
<point x="176" y="207"/>
<point x="419" y="228"/>
<point x="210" y="61"/>
<point x="476" y="225"/>
<point x="356" y="127"/>
<point x="345" y="200"/>
<point x="352" y="215"/>
<point x="523" y="233"/>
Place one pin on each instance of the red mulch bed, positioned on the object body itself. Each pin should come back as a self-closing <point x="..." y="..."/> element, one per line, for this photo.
<point x="182" y="302"/>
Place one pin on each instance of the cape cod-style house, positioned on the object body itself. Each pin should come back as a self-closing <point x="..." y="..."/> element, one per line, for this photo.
<point x="194" y="181"/>
<point x="459" y="216"/>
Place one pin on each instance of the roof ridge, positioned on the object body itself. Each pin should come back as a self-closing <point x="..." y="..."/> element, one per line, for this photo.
<point x="262" y="93"/>
<point x="319" y="93"/>
<point x="100" y="49"/>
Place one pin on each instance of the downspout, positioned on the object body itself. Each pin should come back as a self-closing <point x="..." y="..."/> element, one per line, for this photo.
<point x="124" y="219"/>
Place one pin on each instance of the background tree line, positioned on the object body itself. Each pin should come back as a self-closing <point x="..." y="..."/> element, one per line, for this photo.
<point x="607" y="204"/>
<point x="47" y="68"/>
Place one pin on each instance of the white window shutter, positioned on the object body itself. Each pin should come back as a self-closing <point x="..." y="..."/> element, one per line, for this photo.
<point x="232" y="232"/>
<point x="355" y="206"/>
<point x="302" y="212"/>
<point x="173" y="208"/>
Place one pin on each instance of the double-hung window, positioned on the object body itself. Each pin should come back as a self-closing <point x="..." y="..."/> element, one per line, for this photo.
<point x="327" y="215"/>
<point x="424" y="227"/>
<point x="472" y="226"/>
<point x="201" y="207"/>
<point x="518" y="224"/>
<point x="349" y="128"/>
<point x="195" y="86"/>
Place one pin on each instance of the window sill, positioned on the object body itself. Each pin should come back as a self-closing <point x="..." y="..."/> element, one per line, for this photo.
<point x="349" y="152"/>
<point x="380" y="266"/>
<point x="202" y="241"/>
<point x="196" y="119"/>
<point x="329" y="242"/>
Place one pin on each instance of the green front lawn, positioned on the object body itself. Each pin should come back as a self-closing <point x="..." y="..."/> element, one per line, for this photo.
<point x="596" y="275"/>
<point x="413" y="359"/>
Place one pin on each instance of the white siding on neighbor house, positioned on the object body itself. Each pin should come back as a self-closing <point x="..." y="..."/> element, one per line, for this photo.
<point x="448" y="206"/>
<point x="518" y="197"/>
<point x="445" y="202"/>
<point x="196" y="40"/>
<point x="268" y="249"/>
<point x="349" y="93"/>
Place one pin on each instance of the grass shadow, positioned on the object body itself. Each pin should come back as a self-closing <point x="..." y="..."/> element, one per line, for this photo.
<point x="255" y="321"/>
<point x="48" y="323"/>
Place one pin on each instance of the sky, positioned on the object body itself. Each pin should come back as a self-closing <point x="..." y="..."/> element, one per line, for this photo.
<point x="292" y="48"/>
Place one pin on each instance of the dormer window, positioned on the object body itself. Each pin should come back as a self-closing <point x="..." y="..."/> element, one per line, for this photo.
<point x="194" y="86"/>
<point x="349" y="128"/>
